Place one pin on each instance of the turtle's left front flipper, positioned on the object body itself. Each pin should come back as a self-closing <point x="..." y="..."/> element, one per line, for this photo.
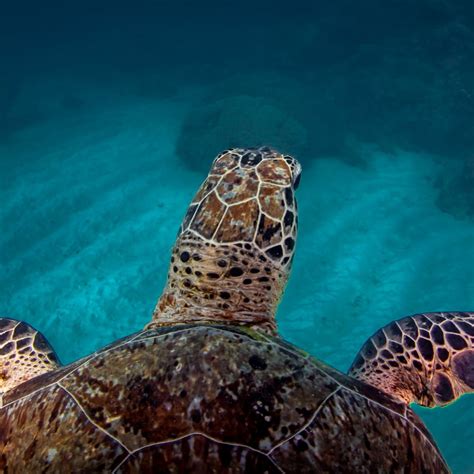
<point x="426" y="358"/>
<point x="24" y="354"/>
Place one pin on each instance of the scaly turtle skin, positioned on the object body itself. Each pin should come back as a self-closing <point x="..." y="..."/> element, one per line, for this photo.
<point x="209" y="386"/>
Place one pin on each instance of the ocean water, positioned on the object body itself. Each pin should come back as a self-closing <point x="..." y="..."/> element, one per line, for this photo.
<point x="111" y="114"/>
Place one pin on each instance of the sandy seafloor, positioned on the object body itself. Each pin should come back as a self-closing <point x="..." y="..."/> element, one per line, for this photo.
<point x="92" y="199"/>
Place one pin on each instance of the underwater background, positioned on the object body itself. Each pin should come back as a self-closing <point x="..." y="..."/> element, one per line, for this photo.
<point x="111" y="113"/>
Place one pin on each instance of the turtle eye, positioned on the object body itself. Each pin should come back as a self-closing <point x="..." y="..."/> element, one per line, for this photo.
<point x="297" y="181"/>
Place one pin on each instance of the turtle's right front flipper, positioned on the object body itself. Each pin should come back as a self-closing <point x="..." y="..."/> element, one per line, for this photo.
<point x="426" y="358"/>
<point x="24" y="354"/>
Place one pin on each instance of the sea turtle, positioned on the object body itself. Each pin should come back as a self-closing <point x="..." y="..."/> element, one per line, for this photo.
<point x="209" y="386"/>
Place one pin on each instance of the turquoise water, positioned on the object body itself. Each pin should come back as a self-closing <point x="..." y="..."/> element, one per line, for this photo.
<point x="105" y="137"/>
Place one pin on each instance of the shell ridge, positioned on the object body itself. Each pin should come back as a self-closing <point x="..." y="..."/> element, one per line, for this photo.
<point x="204" y="435"/>
<point x="81" y="408"/>
<point x="309" y="359"/>
<point x="308" y="423"/>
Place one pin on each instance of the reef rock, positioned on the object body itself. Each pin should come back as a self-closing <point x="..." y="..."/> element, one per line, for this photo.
<point x="237" y="121"/>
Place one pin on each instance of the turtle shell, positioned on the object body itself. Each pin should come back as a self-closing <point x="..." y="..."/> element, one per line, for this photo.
<point x="205" y="398"/>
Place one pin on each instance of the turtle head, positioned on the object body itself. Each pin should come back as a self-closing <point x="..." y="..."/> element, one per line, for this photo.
<point x="235" y="245"/>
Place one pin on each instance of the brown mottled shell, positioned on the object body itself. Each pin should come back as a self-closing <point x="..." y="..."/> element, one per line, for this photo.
<point x="200" y="398"/>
